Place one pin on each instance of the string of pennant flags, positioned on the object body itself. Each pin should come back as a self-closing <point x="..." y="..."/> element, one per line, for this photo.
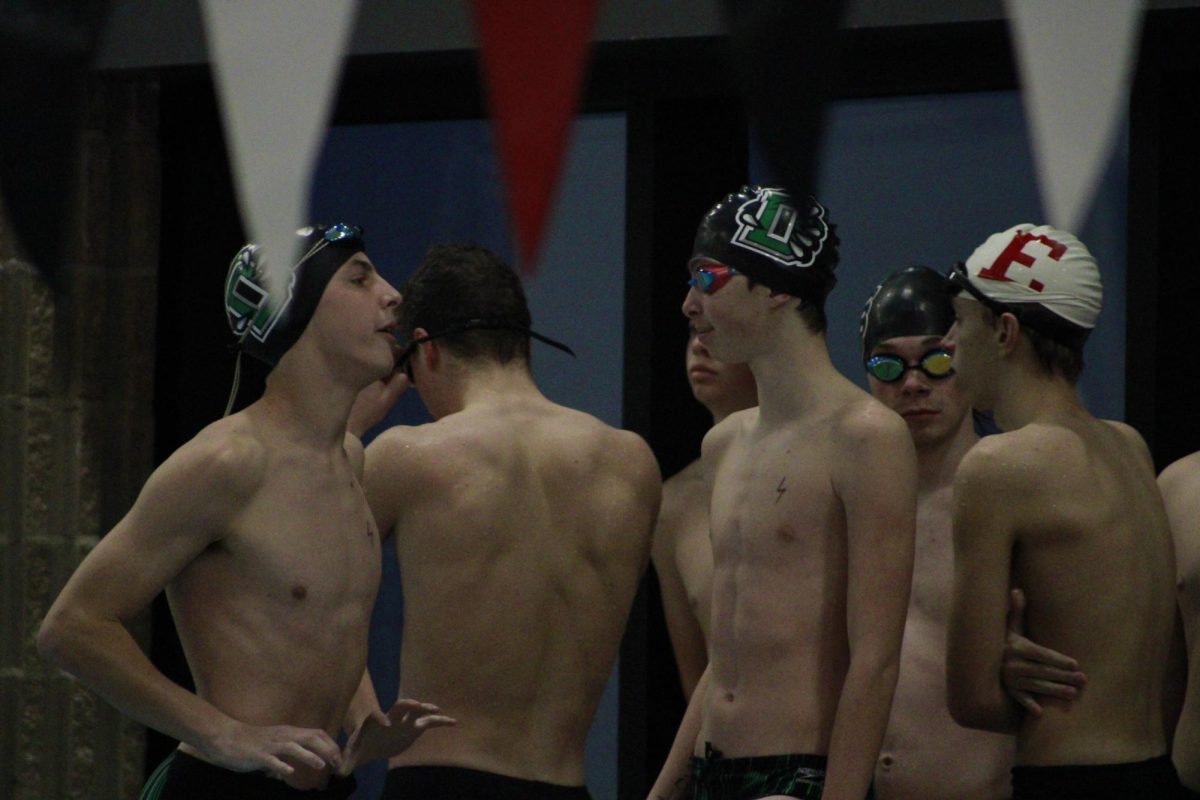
<point x="277" y="65"/>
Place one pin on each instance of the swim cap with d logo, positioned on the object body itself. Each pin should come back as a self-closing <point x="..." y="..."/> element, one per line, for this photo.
<point x="267" y="327"/>
<point x="762" y="232"/>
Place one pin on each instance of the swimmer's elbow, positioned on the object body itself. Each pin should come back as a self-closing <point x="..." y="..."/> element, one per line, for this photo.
<point x="57" y="638"/>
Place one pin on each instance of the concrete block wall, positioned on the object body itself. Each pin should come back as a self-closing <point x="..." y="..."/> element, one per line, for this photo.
<point x="76" y="444"/>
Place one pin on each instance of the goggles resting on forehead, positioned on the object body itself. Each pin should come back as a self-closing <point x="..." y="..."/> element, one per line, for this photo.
<point x="711" y="277"/>
<point x="889" y="368"/>
<point x="334" y="233"/>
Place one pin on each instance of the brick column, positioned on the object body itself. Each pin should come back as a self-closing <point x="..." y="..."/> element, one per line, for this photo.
<point x="76" y="443"/>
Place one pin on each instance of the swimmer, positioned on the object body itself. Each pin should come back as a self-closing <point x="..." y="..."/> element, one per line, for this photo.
<point x="682" y="551"/>
<point x="260" y="534"/>
<point x="909" y="371"/>
<point x="812" y="516"/>
<point x="522" y="530"/>
<point x="1064" y="506"/>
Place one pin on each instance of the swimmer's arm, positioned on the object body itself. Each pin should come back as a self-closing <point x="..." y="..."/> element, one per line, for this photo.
<point x="386" y="472"/>
<point x="1179" y="484"/>
<point x="687" y="635"/>
<point x="1031" y="671"/>
<point x="875" y="477"/>
<point x="687" y="638"/>
<point x="374" y="402"/>
<point x="185" y="506"/>
<point x="977" y="630"/>
<point x="675" y="779"/>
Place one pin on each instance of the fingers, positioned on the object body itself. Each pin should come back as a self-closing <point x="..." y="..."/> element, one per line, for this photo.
<point x="435" y="721"/>
<point x="311" y="747"/>
<point x="1027" y="702"/>
<point x="1016" y="612"/>
<point x="1033" y="658"/>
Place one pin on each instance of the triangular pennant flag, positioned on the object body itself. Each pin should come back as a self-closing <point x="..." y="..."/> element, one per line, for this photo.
<point x="782" y="53"/>
<point x="277" y="64"/>
<point x="46" y="51"/>
<point x="1075" y="58"/>
<point x="532" y="54"/>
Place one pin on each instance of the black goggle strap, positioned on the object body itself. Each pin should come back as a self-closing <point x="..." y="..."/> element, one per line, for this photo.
<point x="479" y="324"/>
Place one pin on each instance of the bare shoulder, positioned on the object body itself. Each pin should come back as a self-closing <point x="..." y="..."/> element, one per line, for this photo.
<point x="1133" y="438"/>
<point x="719" y="436"/>
<point x="989" y="458"/>
<point x="398" y="452"/>
<point x="1182" y="477"/>
<point x="621" y="452"/>
<point x="864" y="421"/>
<point x="225" y="458"/>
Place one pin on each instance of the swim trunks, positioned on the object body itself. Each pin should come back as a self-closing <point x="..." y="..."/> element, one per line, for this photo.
<point x="184" y="777"/>
<point x="1153" y="778"/>
<point x="459" y="783"/>
<point x="715" y="777"/>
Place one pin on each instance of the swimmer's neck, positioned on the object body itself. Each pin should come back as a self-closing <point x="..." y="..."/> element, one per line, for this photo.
<point x="1029" y="395"/>
<point x="310" y="414"/>
<point x="937" y="461"/>
<point x="479" y="383"/>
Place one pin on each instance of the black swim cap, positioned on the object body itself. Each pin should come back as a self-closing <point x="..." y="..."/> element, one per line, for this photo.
<point x="267" y="327"/>
<point x="914" y="301"/>
<point x="763" y="233"/>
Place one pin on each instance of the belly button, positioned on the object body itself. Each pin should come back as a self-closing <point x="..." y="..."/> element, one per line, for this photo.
<point x="299" y="592"/>
<point x="886" y="762"/>
<point x="729" y="697"/>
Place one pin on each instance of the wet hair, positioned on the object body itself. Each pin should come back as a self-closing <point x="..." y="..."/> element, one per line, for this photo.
<point x="1053" y="356"/>
<point x="460" y="282"/>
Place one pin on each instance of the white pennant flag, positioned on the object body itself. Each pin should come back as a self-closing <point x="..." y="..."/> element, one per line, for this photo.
<point x="277" y="64"/>
<point x="1075" y="58"/>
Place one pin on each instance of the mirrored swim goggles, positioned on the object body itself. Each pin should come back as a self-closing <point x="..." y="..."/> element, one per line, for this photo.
<point x="936" y="364"/>
<point x="403" y="361"/>
<point x="711" y="277"/>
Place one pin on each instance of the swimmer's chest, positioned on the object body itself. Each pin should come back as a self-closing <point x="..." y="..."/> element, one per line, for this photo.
<point x="773" y="498"/>
<point x="309" y="538"/>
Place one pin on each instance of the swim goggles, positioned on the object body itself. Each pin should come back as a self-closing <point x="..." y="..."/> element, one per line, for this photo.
<point x="711" y="277"/>
<point x="334" y="233"/>
<point x="889" y="368"/>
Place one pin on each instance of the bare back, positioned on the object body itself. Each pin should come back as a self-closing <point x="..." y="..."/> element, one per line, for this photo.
<point x="1092" y="550"/>
<point x="522" y="530"/>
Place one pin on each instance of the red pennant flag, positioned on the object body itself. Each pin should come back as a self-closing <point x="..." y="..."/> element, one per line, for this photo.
<point x="532" y="54"/>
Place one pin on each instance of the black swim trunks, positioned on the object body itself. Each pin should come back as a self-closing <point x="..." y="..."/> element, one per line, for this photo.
<point x="184" y="777"/>
<point x="1154" y="778"/>
<point x="460" y="783"/>
<point x="715" y="777"/>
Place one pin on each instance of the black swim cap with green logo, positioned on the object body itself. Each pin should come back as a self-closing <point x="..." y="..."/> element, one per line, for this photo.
<point x="267" y="327"/>
<point x="762" y="232"/>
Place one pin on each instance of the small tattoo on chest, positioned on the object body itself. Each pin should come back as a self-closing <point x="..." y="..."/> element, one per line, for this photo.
<point x="780" y="489"/>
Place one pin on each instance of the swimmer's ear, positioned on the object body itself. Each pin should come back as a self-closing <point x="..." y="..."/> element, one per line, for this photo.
<point x="777" y="299"/>
<point x="429" y="351"/>
<point x="1008" y="329"/>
